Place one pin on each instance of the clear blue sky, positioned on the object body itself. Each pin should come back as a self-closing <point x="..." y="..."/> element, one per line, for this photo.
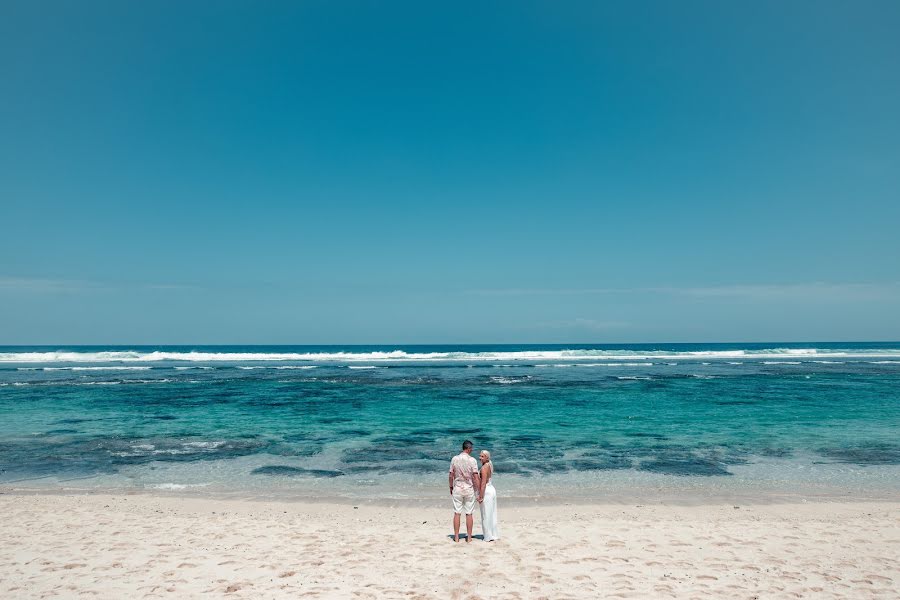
<point x="315" y="172"/>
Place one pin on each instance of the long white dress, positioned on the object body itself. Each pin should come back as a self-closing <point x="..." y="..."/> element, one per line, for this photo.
<point x="489" y="526"/>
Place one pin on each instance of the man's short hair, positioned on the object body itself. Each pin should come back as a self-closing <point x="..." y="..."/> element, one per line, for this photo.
<point x="467" y="445"/>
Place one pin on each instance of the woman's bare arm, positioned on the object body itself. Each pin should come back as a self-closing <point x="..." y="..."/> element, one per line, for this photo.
<point x="485" y="477"/>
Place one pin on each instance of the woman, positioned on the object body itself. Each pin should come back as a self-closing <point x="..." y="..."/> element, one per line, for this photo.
<point x="488" y="499"/>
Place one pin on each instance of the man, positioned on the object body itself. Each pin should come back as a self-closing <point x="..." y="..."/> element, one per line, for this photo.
<point x="464" y="480"/>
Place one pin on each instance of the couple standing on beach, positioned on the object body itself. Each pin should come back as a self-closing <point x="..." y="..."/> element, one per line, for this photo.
<point x="468" y="484"/>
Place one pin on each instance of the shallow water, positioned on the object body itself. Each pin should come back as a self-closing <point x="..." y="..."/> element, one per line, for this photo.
<point x="384" y="421"/>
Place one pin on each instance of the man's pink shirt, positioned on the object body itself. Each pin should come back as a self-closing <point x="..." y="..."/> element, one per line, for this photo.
<point x="463" y="468"/>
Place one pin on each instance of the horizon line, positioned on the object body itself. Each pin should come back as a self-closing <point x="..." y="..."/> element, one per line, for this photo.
<point x="358" y="344"/>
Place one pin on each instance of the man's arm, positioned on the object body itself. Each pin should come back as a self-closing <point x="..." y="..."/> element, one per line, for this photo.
<point x="450" y="480"/>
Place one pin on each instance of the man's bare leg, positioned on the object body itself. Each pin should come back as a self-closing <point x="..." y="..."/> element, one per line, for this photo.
<point x="456" y="527"/>
<point x="470" y="521"/>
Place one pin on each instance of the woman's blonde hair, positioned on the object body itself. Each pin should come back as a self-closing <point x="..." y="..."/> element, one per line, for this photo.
<point x="487" y="453"/>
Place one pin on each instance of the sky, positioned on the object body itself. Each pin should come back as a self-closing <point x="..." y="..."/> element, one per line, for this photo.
<point x="407" y="172"/>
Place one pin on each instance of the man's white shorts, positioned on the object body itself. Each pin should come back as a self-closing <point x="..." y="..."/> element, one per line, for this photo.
<point x="463" y="502"/>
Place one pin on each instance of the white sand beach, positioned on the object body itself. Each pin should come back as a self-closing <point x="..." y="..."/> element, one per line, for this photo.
<point x="152" y="546"/>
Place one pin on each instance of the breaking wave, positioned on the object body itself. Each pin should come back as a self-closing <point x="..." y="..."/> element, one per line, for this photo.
<point x="402" y="356"/>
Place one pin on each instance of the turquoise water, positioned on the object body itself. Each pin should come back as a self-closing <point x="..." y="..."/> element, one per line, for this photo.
<point x="384" y="421"/>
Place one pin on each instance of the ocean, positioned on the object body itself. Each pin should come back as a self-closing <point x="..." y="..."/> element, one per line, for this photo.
<point x="382" y="422"/>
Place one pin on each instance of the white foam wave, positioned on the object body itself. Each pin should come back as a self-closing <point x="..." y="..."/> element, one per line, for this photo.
<point x="280" y="367"/>
<point x="208" y="445"/>
<point x="616" y="364"/>
<point x="362" y="367"/>
<point x="135" y="356"/>
<point x="121" y="381"/>
<point x="174" y="486"/>
<point x="510" y="380"/>
<point x="97" y="368"/>
<point x="781" y="362"/>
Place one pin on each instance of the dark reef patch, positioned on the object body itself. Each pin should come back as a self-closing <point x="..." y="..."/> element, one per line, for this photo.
<point x="286" y="471"/>
<point x="864" y="455"/>
<point x="381" y="454"/>
<point x="355" y="432"/>
<point x="512" y="467"/>
<point x="590" y="444"/>
<point x="610" y="463"/>
<point x="532" y="437"/>
<point x="643" y="434"/>
<point x="73" y="421"/>
<point x="777" y="452"/>
<point x="553" y="466"/>
<point x="413" y="438"/>
<point x="687" y="466"/>
<point x="360" y="469"/>
<point x="463" y="430"/>
<point x="418" y="466"/>
<point x="294" y="449"/>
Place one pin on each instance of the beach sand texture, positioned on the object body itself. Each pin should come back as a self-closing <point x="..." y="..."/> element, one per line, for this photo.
<point x="146" y="546"/>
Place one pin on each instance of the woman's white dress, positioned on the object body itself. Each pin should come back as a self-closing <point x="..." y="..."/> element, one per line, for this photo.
<point x="489" y="512"/>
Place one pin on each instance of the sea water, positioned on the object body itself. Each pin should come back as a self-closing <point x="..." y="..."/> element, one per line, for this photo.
<point x="580" y="422"/>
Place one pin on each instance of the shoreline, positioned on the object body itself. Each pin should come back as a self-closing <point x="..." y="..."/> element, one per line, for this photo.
<point x="824" y="505"/>
<point x="151" y="546"/>
<point x="661" y="498"/>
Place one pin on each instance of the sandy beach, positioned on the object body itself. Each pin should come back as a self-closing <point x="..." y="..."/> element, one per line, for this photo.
<point x="153" y="546"/>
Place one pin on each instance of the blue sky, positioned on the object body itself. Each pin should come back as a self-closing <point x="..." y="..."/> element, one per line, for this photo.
<point x="320" y="172"/>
